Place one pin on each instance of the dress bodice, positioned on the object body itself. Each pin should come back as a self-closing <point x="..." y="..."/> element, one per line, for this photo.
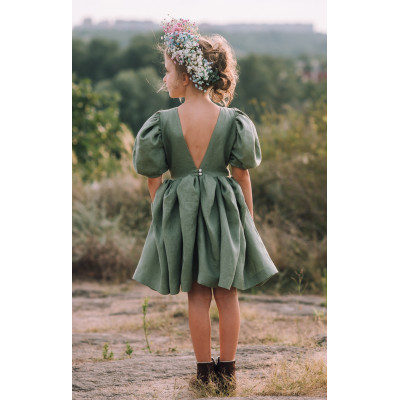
<point x="216" y="157"/>
<point x="160" y="146"/>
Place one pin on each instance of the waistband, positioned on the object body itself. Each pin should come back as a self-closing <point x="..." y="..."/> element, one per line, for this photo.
<point x="201" y="172"/>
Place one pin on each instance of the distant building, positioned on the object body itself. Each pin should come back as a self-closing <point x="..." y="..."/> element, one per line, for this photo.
<point x="104" y="24"/>
<point x="297" y="28"/>
<point x="143" y="26"/>
<point x="87" y="23"/>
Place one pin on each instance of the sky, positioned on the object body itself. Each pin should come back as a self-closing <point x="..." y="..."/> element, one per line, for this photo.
<point x="211" y="11"/>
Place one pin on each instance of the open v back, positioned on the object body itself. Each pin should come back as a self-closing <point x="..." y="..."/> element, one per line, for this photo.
<point x="204" y="152"/>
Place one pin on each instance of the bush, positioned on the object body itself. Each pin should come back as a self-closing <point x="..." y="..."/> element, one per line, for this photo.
<point x="290" y="193"/>
<point x="109" y="225"/>
<point x="97" y="134"/>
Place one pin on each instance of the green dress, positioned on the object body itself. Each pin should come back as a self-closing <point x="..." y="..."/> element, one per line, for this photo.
<point x="201" y="228"/>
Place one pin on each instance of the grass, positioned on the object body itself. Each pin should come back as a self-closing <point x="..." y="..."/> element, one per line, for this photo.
<point x="173" y="323"/>
<point x="199" y="389"/>
<point x="167" y="325"/>
<point x="126" y="326"/>
<point x="296" y="378"/>
<point x="284" y="331"/>
<point x="248" y="314"/>
<point x="299" y="377"/>
<point x="214" y="314"/>
<point x="270" y="339"/>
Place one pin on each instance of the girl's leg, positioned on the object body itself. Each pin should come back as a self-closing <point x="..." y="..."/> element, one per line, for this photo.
<point x="229" y="321"/>
<point x="199" y="300"/>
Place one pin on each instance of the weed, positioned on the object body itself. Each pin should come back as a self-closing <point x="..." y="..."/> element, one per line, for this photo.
<point x="106" y="355"/>
<point x="318" y="315"/>
<point x="128" y="349"/>
<point x="300" y="276"/>
<point x="145" y="324"/>
<point x="300" y="291"/>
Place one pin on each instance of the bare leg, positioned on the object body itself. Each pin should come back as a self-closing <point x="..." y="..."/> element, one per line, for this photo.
<point x="199" y="300"/>
<point x="229" y="321"/>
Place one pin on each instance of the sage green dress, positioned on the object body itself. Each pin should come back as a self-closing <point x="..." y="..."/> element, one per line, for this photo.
<point x="201" y="228"/>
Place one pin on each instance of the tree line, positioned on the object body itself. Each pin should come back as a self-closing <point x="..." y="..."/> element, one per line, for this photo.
<point x="134" y="74"/>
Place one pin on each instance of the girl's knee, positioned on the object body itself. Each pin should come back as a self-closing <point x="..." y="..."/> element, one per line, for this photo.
<point x="200" y="294"/>
<point x="222" y="295"/>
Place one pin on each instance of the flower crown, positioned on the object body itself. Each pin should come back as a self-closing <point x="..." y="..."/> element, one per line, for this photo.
<point x="182" y="40"/>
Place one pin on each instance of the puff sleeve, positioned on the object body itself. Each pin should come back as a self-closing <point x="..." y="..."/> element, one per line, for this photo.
<point x="246" y="150"/>
<point x="149" y="158"/>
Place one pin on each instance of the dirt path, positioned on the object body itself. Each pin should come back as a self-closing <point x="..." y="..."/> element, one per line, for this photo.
<point x="273" y="330"/>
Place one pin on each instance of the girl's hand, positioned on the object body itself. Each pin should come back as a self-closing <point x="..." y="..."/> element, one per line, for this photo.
<point x="153" y="184"/>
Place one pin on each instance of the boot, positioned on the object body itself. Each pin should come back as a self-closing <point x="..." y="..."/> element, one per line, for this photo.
<point x="226" y="372"/>
<point x="205" y="372"/>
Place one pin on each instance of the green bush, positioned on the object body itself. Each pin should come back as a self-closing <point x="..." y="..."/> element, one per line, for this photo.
<point x="290" y="193"/>
<point x="97" y="134"/>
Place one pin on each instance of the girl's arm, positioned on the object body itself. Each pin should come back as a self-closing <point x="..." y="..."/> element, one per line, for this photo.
<point x="153" y="184"/>
<point x="242" y="176"/>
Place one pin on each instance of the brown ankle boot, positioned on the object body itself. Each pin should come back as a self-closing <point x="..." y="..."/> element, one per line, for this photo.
<point x="226" y="372"/>
<point x="205" y="372"/>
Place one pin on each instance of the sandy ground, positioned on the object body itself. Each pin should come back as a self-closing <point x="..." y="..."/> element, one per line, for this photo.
<point x="273" y="328"/>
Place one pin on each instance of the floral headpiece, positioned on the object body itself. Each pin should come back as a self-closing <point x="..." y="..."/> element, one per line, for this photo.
<point x="182" y="40"/>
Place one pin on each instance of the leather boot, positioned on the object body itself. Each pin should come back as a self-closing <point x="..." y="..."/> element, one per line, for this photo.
<point x="205" y="372"/>
<point x="226" y="373"/>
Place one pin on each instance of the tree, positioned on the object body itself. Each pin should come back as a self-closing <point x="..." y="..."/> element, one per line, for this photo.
<point x="97" y="145"/>
<point x="100" y="59"/>
<point x="142" y="53"/>
<point x="138" y="95"/>
<point x="266" y="80"/>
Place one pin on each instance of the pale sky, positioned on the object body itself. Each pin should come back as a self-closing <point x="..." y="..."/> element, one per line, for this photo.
<point x="212" y="11"/>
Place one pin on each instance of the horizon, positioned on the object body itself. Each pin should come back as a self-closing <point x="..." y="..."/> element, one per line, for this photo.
<point x="112" y="21"/>
<point x="279" y="12"/>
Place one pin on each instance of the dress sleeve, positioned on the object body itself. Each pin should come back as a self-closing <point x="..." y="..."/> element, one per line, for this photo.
<point x="149" y="158"/>
<point x="246" y="150"/>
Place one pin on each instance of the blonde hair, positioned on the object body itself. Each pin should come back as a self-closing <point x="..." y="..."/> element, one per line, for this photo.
<point x="216" y="49"/>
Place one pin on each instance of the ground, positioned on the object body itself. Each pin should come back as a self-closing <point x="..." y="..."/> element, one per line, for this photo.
<point x="281" y="350"/>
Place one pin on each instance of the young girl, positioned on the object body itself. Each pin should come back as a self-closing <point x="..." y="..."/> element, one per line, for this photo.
<point x="202" y="239"/>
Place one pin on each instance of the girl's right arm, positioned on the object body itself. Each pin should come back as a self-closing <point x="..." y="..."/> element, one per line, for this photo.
<point x="242" y="176"/>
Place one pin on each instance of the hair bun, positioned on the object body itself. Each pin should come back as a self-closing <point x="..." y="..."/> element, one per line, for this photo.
<point x="217" y="50"/>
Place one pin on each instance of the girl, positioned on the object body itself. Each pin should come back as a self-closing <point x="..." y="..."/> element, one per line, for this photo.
<point x="202" y="239"/>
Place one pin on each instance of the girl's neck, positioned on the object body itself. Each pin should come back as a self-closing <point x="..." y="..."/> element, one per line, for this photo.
<point x="194" y="96"/>
<point x="198" y="100"/>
